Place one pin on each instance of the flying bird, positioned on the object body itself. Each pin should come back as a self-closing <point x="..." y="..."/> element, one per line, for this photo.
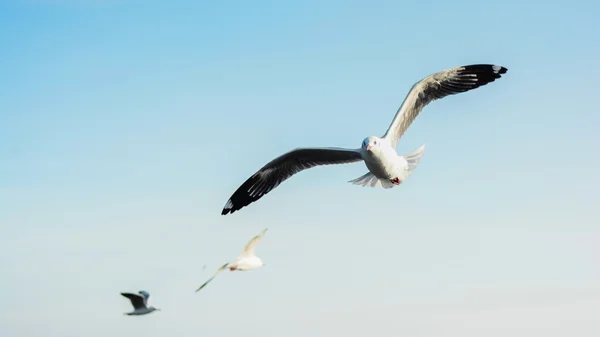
<point x="139" y="302"/>
<point x="247" y="260"/>
<point x="386" y="168"/>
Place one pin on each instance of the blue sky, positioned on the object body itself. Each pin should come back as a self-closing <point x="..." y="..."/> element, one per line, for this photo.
<point x="126" y="125"/>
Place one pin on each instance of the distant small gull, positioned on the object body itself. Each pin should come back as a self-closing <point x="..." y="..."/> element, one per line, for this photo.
<point x="386" y="168"/>
<point x="246" y="261"/>
<point x="139" y="302"/>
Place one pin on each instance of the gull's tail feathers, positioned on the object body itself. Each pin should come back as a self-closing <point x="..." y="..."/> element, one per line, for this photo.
<point x="413" y="159"/>
<point x="370" y="180"/>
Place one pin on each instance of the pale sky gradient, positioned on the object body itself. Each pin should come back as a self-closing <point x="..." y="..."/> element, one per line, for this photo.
<point x="126" y="125"/>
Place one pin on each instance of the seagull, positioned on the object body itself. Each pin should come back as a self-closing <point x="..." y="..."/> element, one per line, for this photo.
<point x="386" y="168"/>
<point x="246" y="261"/>
<point x="139" y="302"/>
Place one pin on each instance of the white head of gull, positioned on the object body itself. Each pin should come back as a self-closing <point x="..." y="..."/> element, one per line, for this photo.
<point x="386" y="168"/>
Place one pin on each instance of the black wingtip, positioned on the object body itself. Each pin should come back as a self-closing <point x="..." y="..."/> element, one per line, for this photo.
<point x="241" y="197"/>
<point x="494" y="69"/>
<point x="485" y="73"/>
<point x="498" y="70"/>
<point x="229" y="207"/>
<point x="226" y="211"/>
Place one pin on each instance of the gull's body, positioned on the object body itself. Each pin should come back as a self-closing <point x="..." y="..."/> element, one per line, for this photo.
<point x="139" y="302"/>
<point x="386" y="167"/>
<point x="247" y="260"/>
<point x="385" y="164"/>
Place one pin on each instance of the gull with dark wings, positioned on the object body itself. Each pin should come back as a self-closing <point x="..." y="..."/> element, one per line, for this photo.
<point x="386" y="168"/>
<point x="139" y="302"/>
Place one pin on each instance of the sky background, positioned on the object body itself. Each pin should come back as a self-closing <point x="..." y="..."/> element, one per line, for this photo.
<point x="126" y="125"/>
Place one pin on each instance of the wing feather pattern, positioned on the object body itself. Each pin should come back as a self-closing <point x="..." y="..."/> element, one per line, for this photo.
<point x="282" y="168"/>
<point x="436" y="86"/>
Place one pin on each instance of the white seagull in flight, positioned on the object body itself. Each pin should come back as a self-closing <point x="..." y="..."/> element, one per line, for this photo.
<point x="386" y="167"/>
<point x="246" y="261"/>
<point x="139" y="302"/>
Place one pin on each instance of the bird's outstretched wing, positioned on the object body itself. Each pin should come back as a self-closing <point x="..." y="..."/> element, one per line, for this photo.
<point x="145" y="295"/>
<point x="137" y="300"/>
<point x="441" y="84"/>
<point x="249" y="249"/>
<point x="282" y="168"/>
<point x="215" y="275"/>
